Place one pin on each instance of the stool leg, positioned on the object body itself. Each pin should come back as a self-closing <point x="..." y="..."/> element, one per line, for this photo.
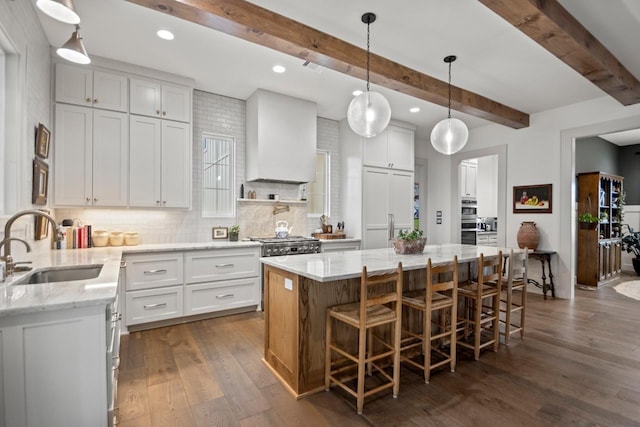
<point x="523" y="301"/>
<point x="427" y="343"/>
<point x="362" y="348"/>
<point x="327" y="354"/>
<point x="397" y="332"/>
<point x="477" y="327"/>
<point x="507" y="321"/>
<point x="496" y="321"/>
<point x="453" y="339"/>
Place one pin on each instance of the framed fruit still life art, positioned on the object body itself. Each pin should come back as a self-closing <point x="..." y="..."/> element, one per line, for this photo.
<point x="532" y="198"/>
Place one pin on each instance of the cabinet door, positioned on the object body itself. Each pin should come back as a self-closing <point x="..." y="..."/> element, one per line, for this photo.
<point x="374" y="150"/>
<point x="176" y="103"/>
<point x="176" y="165"/>
<point x="145" y="98"/>
<point x="375" y="214"/>
<point x="110" y="158"/>
<point x="144" y="161"/>
<point x="73" y="155"/>
<point x="400" y="148"/>
<point x="401" y="200"/>
<point x="472" y="180"/>
<point x="74" y="85"/>
<point x="110" y="91"/>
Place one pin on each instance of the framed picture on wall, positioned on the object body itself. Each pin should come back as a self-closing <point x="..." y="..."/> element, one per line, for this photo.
<point x="220" y="232"/>
<point x="43" y="136"/>
<point x="40" y="182"/>
<point x="532" y="198"/>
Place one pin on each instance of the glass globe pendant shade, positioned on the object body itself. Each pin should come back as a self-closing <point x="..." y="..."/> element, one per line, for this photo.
<point x="62" y="10"/>
<point x="449" y="136"/>
<point x="369" y="114"/>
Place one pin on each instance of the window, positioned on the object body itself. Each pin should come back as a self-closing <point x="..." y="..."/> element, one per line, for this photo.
<point x="318" y="191"/>
<point x="218" y="172"/>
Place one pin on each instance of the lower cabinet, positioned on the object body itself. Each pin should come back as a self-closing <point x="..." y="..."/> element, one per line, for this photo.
<point x="487" y="239"/>
<point x="339" y="246"/>
<point x="171" y="285"/>
<point x="59" y="368"/>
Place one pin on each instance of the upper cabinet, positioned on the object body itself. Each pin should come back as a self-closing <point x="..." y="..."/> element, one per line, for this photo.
<point x="157" y="99"/>
<point x="393" y="148"/>
<point x="469" y="178"/>
<point x="91" y="88"/>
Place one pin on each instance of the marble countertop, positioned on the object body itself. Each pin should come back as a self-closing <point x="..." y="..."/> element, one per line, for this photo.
<point x="28" y="298"/>
<point x="330" y="266"/>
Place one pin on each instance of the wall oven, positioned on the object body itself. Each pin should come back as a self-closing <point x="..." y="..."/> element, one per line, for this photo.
<point x="468" y="221"/>
<point x="468" y="209"/>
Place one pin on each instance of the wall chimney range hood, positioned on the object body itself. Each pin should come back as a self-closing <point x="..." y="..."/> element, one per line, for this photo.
<point x="281" y="138"/>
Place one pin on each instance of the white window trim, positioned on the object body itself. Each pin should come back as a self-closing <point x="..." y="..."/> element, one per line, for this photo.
<point x="327" y="185"/>
<point x="210" y="214"/>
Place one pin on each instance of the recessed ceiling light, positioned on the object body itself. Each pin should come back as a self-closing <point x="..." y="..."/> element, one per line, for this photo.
<point x="414" y="109"/>
<point x="165" y="34"/>
<point x="279" y="69"/>
<point x="356" y="92"/>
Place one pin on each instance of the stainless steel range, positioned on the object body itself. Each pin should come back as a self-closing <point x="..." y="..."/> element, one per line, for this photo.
<point x="292" y="245"/>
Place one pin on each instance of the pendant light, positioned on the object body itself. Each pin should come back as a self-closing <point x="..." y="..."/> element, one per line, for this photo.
<point x="73" y="50"/>
<point x="369" y="113"/>
<point x="450" y="135"/>
<point x="62" y="10"/>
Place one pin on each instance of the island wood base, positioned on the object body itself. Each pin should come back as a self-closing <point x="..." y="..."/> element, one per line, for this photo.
<point x="295" y="313"/>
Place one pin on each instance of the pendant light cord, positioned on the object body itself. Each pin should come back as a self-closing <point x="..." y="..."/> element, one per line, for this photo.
<point x="449" y="116"/>
<point x="368" y="55"/>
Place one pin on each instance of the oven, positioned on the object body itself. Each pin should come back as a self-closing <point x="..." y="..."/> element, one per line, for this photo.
<point x="468" y="209"/>
<point x="469" y="226"/>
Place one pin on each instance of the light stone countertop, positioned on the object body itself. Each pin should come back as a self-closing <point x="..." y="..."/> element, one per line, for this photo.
<point x="330" y="266"/>
<point x="29" y="298"/>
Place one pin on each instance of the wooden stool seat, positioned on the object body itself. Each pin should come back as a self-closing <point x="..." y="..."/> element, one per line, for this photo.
<point x="380" y="305"/>
<point x="424" y="345"/>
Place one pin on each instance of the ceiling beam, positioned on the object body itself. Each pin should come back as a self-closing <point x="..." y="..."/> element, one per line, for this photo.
<point x="258" y="25"/>
<point x="555" y="29"/>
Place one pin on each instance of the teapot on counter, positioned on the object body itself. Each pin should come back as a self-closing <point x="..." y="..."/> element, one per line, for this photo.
<point x="282" y="229"/>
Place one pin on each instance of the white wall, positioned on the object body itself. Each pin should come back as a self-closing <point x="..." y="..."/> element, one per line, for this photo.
<point x="542" y="153"/>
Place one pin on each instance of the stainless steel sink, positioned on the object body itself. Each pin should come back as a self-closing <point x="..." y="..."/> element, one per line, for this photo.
<point x="61" y="274"/>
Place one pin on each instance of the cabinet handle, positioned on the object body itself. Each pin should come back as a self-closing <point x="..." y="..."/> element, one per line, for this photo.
<point x="123" y="264"/>
<point x="95" y="200"/>
<point x="88" y="199"/>
<point x="95" y="101"/>
<point x="157" y="202"/>
<point x="117" y="365"/>
<point x="164" y="113"/>
<point x="154" y="306"/>
<point x="224" y="296"/>
<point x="158" y="112"/>
<point x="155" y="271"/>
<point x="164" y="202"/>
<point x="116" y="317"/>
<point x="224" y="265"/>
<point x="88" y="100"/>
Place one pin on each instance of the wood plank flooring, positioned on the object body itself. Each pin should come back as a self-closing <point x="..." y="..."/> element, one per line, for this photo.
<point x="578" y="364"/>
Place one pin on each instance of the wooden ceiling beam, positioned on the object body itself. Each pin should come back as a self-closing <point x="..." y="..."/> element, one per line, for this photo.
<point x="555" y="29"/>
<point x="258" y="25"/>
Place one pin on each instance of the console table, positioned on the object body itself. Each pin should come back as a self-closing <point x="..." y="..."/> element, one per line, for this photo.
<point x="542" y="256"/>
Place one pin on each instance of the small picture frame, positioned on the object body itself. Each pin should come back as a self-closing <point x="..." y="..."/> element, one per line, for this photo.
<point x="532" y="198"/>
<point x="43" y="136"/>
<point x="42" y="227"/>
<point x="40" y="185"/>
<point x="220" y="232"/>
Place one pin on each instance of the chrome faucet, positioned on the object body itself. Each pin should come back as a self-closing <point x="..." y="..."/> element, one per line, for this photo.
<point x="7" y="258"/>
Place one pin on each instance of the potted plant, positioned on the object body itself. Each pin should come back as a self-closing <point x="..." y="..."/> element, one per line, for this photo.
<point x="234" y="230"/>
<point x="588" y="221"/>
<point x="409" y="242"/>
<point x="631" y="243"/>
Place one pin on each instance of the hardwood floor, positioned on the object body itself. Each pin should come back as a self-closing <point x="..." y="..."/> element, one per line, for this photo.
<point x="579" y="364"/>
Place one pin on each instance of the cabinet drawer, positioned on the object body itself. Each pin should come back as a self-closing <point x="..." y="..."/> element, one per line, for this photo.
<point x="154" y="304"/>
<point x="208" y="297"/>
<point x="152" y="271"/>
<point x="227" y="264"/>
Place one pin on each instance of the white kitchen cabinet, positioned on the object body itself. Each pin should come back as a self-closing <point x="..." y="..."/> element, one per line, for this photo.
<point x="58" y="367"/>
<point x="339" y="245"/>
<point x="487" y="239"/>
<point x="159" y="99"/>
<point x="393" y="148"/>
<point x="221" y="279"/>
<point x="91" y="157"/>
<point x="148" y="271"/>
<point x="160" y="163"/>
<point x="91" y="88"/>
<point x="387" y="205"/>
<point x="469" y="179"/>
<point x="151" y="305"/>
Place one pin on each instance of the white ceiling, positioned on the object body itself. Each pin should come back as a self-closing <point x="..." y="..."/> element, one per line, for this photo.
<point x="494" y="59"/>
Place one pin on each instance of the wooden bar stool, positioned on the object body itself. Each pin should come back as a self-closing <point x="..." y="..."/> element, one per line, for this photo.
<point x="380" y="304"/>
<point x="482" y="320"/>
<point x="441" y="297"/>
<point x="516" y="282"/>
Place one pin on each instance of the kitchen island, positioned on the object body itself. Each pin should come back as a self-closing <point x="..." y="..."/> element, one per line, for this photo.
<point x="298" y="289"/>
